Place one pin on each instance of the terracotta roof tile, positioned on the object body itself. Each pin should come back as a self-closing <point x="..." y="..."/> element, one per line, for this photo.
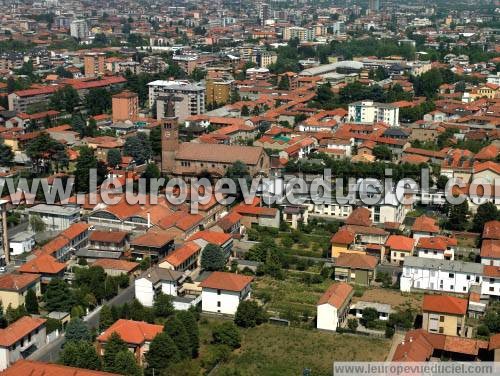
<point x="343" y="236"/>
<point x="400" y="243"/>
<point x="444" y="304"/>
<point x="17" y="282"/>
<point x="155" y="239"/>
<point x="135" y="332"/>
<point x="218" y="238"/>
<point x="20" y="328"/>
<point x="490" y="248"/>
<point x="356" y="261"/>
<point x="425" y="224"/>
<point x="34" y="368"/>
<point x="107" y="236"/>
<point x="491" y="230"/>
<point x="75" y="230"/>
<point x="123" y="265"/>
<point x="43" y="264"/>
<point x="336" y="295"/>
<point x="183" y="253"/>
<point x="226" y="281"/>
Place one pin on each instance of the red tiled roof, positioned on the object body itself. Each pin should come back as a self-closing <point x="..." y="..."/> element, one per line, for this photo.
<point x="54" y="245"/>
<point x="444" y="304"/>
<point x="218" y="238"/>
<point x="491" y="230"/>
<point x="356" y="261"/>
<point x="183" y="253"/>
<point x="226" y="281"/>
<point x="425" y="224"/>
<point x="343" y="236"/>
<point x="43" y="264"/>
<point x="437" y="243"/>
<point x="491" y="271"/>
<point x="19" y="329"/>
<point x="336" y="295"/>
<point x="488" y="165"/>
<point x="155" y="239"/>
<point x="490" y="248"/>
<point x="400" y="243"/>
<point x="107" y="236"/>
<point x="123" y="265"/>
<point x="75" y="230"/>
<point x="360" y="217"/>
<point x="134" y="332"/>
<point x="494" y="342"/>
<point x="16" y="282"/>
<point x="25" y="367"/>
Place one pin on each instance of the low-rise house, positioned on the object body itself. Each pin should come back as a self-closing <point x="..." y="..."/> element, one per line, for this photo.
<point x="156" y="281"/>
<point x="424" y="227"/>
<point x="490" y="252"/>
<point x="398" y="247"/>
<point x="14" y="287"/>
<point x="58" y="248"/>
<point x="444" y="314"/>
<point x="259" y="215"/>
<point x="77" y="235"/>
<point x="355" y="268"/>
<point x="20" y="339"/>
<point x="333" y="306"/>
<point x="55" y="217"/>
<point x="437" y="247"/>
<point x="137" y="335"/>
<point x="230" y="224"/>
<point x="105" y="244"/>
<point x="21" y="242"/>
<point x="222" y="292"/>
<point x="341" y="241"/>
<point x="491" y="281"/>
<point x="186" y="257"/>
<point x="114" y="267"/>
<point x="45" y="266"/>
<point x="383" y="310"/>
<point x="32" y="367"/>
<point x="223" y="240"/>
<point x="154" y="244"/>
<point x="440" y="275"/>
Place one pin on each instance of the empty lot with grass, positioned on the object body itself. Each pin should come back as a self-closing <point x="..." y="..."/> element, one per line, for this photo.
<point x="270" y="350"/>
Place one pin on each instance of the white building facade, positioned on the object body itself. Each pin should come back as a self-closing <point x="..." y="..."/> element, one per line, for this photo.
<point x="370" y="112"/>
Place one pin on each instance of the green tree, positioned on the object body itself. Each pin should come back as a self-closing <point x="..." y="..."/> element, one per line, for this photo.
<point x="36" y="223"/>
<point x="77" y="330"/>
<point x="125" y="364"/>
<point x="163" y="306"/>
<point x="78" y="125"/>
<point x="370" y="315"/>
<point x="284" y="83"/>
<point x="14" y="314"/>
<point x="249" y="314"/>
<point x="106" y="318"/>
<point x="65" y="99"/>
<point x="442" y="181"/>
<point x="485" y="212"/>
<point x="212" y="257"/>
<point x="227" y="334"/>
<point x="112" y="347"/>
<point x="189" y="321"/>
<point x="245" y="111"/>
<point x="382" y="152"/>
<point x="114" y="157"/>
<point x="98" y="101"/>
<point x="175" y="329"/>
<point x="352" y="324"/>
<point x="80" y="354"/>
<point x="43" y="150"/>
<point x="58" y="296"/>
<point x="138" y="147"/>
<point x="6" y="154"/>
<point x="3" y="320"/>
<point x="162" y="353"/>
<point x="457" y="216"/>
<point x="31" y="302"/>
<point x="85" y="162"/>
<point x="155" y="140"/>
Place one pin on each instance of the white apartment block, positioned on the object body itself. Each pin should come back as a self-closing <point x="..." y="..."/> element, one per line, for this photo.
<point x="439" y="275"/>
<point x="189" y="98"/>
<point x="296" y="32"/>
<point x="370" y="112"/>
<point x="79" y="29"/>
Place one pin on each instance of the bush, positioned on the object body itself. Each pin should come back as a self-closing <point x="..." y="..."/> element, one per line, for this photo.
<point x="249" y="314"/>
<point x="389" y="331"/>
<point x="227" y="334"/>
<point x="483" y="331"/>
<point x="352" y="324"/>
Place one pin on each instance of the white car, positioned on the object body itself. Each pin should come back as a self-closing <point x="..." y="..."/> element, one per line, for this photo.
<point x="3" y="269"/>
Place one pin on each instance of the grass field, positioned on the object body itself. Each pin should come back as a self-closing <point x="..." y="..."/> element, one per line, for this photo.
<point x="388" y="296"/>
<point x="290" y="294"/>
<point x="271" y="350"/>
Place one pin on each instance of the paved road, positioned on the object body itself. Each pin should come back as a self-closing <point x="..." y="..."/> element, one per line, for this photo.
<point x="50" y="352"/>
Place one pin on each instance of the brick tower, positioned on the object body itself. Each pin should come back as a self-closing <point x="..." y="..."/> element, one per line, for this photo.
<point x="169" y="137"/>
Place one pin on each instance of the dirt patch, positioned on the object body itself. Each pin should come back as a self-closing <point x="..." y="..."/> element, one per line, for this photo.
<point x="389" y="296"/>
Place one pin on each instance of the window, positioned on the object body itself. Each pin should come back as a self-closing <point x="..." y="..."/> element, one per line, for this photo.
<point x="451" y="287"/>
<point x="441" y="318"/>
<point x="451" y="275"/>
<point x="426" y="251"/>
<point x="218" y="304"/>
<point x="464" y="288"/>
<point x="492" y="288"/>
<point x="218" y="291"/>
<point x="441" y="330"/>
<point x="468" y="277"/>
